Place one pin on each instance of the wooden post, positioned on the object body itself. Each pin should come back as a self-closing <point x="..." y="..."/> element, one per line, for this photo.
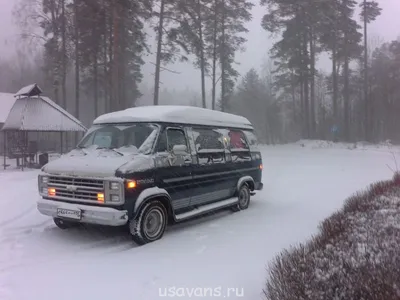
<point x="23" y="151"/>
<point x="5" y="148"/>
<point x="61" y="145"/>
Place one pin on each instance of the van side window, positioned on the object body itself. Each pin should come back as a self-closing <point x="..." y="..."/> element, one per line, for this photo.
<point x="176" y="137"/>
<point x="162" y="142"/>
<point x="239" y="148"/>
<point x="169" y="138"/>
<point x="237" y="140"/>
<point x="209" y="146"/>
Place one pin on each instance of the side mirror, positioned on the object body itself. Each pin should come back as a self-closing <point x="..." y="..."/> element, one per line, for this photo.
<point x="179" y="149"/>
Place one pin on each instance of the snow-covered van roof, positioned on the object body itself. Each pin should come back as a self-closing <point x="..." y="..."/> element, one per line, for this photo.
<point x="175" y="114"/>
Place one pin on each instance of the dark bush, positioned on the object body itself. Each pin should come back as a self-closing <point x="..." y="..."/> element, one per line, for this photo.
<point x="355" y="256"/>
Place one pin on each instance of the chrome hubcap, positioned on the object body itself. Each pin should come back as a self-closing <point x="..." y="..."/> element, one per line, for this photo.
<point x="153" y="223"/>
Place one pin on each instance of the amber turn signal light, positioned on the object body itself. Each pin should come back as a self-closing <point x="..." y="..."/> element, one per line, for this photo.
<point x="51" y="192"/>
<point x="131" y="184"/>
<point x="100" y="197"/>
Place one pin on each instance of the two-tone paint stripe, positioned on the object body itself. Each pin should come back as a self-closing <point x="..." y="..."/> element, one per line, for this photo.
<point x="223" y="173"/>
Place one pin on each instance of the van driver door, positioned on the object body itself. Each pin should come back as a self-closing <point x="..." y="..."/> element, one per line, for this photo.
<point x="174" y="166"/>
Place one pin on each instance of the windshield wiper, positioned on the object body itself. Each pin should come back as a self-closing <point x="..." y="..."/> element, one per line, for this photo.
<point x="110" y="149"/>
<point x="82" y="149"/>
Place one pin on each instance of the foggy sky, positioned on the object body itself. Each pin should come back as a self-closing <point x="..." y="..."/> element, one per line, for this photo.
<point x="387" y="26"/>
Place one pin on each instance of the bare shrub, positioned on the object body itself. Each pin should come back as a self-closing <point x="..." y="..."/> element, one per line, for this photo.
<point x="356" y="254"/>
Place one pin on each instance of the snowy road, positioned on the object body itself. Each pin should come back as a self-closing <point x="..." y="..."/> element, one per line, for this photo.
<point x="229" y="250"/>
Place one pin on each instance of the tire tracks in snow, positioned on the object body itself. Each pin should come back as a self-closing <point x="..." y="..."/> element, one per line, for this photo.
<point x="17" y="217"/>
<point x="106" y="246"/>
<point x="93" y="238"/>
<point x="111" y="244"/>
<point x="28" y="229"/>
<point x="10" y="255"/>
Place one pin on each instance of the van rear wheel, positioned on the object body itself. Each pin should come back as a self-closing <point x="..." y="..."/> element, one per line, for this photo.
<point x="149" y="225"/>
<point x="243" y="195"/>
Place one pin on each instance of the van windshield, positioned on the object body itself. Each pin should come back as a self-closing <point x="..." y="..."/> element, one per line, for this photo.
<point x="139" y="137"/>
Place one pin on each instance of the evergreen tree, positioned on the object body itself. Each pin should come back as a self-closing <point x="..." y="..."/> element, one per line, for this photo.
<point x="233" y="15"/>
<point x="297" y="22"/>
<point x="168" y="37"/>
<point x="370" y="10"/>
<point x="192" y="16"/>
<point x="350" y="46"/>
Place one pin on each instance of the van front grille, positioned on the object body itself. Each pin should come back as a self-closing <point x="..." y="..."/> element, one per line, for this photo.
<point x="73" y="188"/>
<point x="81" y="182"/>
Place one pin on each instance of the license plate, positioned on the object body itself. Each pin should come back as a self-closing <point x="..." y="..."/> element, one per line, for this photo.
<point x="69" y="214"/>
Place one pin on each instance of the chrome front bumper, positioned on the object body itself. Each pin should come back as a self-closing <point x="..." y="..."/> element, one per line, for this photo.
<point x="89" y="214"/>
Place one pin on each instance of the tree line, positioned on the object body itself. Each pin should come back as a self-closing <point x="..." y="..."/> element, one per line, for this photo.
<point x="105" y="42"/>
<point x="308" y="28"/>
<point x="357" y="100"/>
<point x="99" y="48"/>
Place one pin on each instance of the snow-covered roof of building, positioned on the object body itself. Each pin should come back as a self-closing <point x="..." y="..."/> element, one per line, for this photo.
<point x="30" y="90"/>
<point x="175" y="114"/>
<point x="6" y="103"/>
<point x="40" y="114"/>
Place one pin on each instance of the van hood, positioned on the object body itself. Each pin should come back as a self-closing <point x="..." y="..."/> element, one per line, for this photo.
<point x="98" y="163"/>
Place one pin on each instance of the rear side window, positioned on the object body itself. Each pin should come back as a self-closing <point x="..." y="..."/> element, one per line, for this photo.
<point x="207" y="139"/>
<point x="209" y="145"/>
<point x="237" y="140"/>
<point x="240" y="150"/>
<point x="251" y="138"/>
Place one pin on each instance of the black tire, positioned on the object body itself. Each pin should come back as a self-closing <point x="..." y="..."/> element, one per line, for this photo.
<point x="138" y="227"/>
<point x="243" y="195"/>
<point x="63" y="224"/>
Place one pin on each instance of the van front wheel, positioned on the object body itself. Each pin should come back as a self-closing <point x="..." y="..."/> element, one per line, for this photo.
<point x="149" y="225"/>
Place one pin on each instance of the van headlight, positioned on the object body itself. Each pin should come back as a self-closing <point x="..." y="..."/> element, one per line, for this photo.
<point x="115" y="186"/>
<point x="114" y="192"/>
<point x="115" y="198"/>
<point x="43" y="181"/>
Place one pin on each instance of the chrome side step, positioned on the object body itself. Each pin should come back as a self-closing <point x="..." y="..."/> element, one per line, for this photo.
<point x="206" y="208"/>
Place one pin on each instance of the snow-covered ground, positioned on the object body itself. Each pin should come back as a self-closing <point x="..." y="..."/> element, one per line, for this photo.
<point x="221" y="255"/>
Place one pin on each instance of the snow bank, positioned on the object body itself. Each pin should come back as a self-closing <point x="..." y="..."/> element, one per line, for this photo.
<point x="322" y="144"/>
<point x="356" y="254"/>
